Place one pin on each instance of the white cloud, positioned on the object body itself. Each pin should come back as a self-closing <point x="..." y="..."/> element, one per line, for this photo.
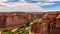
<point x="46" y="0"/>
<point x="51" y="0"/>
<point x="25" y="7"/>
<point x="47" y="4"/>
<point x="35" y="0"/>
<point x="2" y="1"/>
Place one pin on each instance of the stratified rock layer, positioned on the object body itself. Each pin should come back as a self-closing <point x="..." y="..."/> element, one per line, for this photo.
<point x="50" y="23"/>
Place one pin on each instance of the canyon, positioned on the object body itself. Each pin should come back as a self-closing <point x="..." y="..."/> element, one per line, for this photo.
<point x="50" y="20"/>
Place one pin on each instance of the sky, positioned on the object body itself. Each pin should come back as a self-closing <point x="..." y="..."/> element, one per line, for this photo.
<point x="29" y="5"/>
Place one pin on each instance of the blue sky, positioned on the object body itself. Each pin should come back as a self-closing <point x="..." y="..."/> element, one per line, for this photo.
<point x="28" y="1"/>
<point x="55" y="6"/>
<point x="13" y="0"/>
<point x="31" y="5"/>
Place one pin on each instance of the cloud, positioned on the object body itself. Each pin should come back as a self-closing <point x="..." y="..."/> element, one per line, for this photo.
<point x="53" y="0"/>
<point x="44" y="4"/>
<point x="49" y="0"/>
<point x="3" y="1"/>
<point x="25" y="7"/>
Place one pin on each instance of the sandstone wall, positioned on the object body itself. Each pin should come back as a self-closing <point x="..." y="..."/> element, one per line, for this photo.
<point x="12" y="20"/>
<point x="50" y="21"/>
<point x="50" y="24"/>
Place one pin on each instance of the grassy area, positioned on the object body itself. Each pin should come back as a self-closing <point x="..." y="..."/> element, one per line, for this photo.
<point x="18" y="31"/>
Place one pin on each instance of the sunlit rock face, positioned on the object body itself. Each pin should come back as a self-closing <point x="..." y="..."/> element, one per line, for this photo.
<point x="17" y="19"/>
<point x="49" y="24"/>
<point x="12" y="20"/>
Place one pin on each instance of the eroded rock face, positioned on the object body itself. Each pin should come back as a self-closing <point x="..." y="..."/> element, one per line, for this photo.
<point x="12" y="20"/>
<point x="9" y="21"/>
<point x="2" y="22"/>
<point x="50" y="23"/>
